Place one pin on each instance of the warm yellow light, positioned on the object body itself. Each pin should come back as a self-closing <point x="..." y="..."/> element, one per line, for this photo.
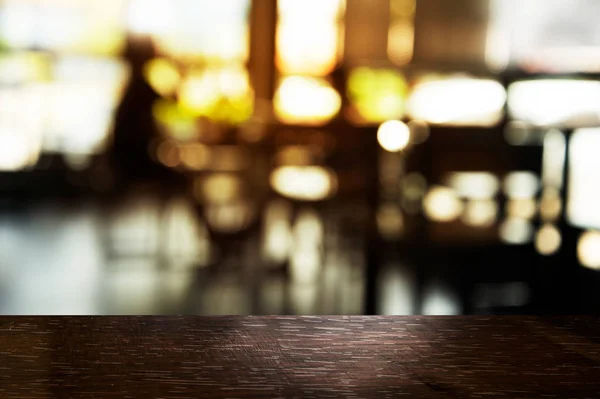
<point x="309" y="101"/>
<point x="480" y="213"/>
<point x="548" y="240"/>
<point x="555" y="102"/>
<point x="401" y="39"/>
<point x="308" y="35"/>
<point x="516" y="231"/>
<point x="521" y="184"/>
<point x="220" y="94"/>
<point x="442" y="204"/>
<point x="588" y="249"/>
<point x="163" y="76"/>
<point x="303" y="50"/>
<point x="523" y="208"/>
<point x="377" y="94"/>
<point x="458" y="101"/>
<point x="393" y="136"/>
<point x="195" y="156"/>
<point x="550" y="205"/>
<point x="176" y="121"/>
<point x="218" y="189"/>
<point x="308" y="183"/>
<point x="474" y="185"/>
<point x="200" y="91"/>
<point x="230" y="217"/>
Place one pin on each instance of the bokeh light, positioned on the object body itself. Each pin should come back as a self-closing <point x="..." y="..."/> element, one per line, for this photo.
<point x="583" y="191"/>
<point x="306" y="101"/>
<point x="480" y="213"/>
<point x="550" y="204"/>
<point x="442" y="204"/>
<point x="457" y="101"/>
<point x="377" y="94"/>
<point x="555" y="102"/>
<point x="474" y="185"/>
<point x="548" y="240"/>
<point x="220" y="94"/>
<point x="219" y="188"/>
<point x="521" y="184"/>
<point x="393" y="136"/>
<point x="163" y="76"/>
<point x="514" y="230"/>
<point x="522" y="208"/>
<point x="308" y="36"/>
<point x="308" y="183"/>
<point x="588" y="249"/>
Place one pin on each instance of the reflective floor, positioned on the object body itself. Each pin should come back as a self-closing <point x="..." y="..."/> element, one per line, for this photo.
<point x="153" y="250"/>
<point x="150" y="254"/>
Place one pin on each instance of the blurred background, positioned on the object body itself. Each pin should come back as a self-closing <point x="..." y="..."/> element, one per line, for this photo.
<point x="299" y="157"/>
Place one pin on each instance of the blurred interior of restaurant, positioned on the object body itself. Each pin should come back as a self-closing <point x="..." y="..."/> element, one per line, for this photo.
<point x="390" y="157"/>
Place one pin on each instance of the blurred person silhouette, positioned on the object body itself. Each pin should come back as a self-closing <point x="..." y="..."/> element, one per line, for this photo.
<point x="134" y="126"/>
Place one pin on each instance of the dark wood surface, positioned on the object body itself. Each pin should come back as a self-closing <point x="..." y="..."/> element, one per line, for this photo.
<point x="304" y="357"/>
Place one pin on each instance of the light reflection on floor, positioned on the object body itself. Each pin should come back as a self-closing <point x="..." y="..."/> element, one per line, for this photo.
<point x="153" y="255"/>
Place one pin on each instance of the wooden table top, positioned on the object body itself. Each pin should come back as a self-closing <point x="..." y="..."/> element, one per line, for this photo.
<point x="304" y="357"/>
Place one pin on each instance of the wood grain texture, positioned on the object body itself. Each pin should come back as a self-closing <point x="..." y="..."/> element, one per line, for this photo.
<point x="303" y="357"/>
